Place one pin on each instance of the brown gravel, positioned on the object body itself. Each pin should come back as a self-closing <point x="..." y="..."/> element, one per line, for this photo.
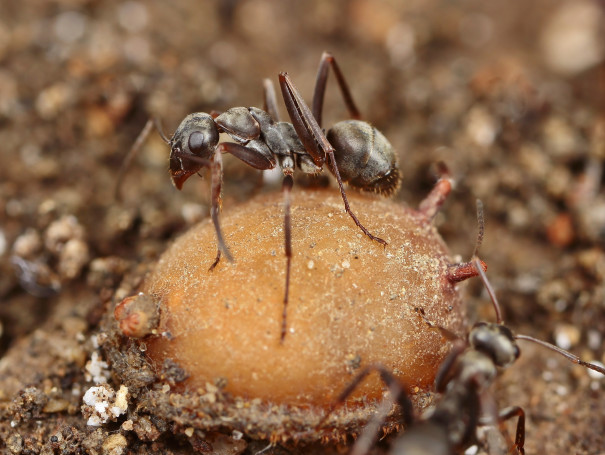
<point x="509" y="95"/>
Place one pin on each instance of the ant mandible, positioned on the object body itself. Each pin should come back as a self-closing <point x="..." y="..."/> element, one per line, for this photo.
<point x="462" y="380"/>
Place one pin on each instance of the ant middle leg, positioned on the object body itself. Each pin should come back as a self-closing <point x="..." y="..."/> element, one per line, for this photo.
<point x="287" y="184"/>
<point x="327" y="61"/>
<point x="287" y="165"/>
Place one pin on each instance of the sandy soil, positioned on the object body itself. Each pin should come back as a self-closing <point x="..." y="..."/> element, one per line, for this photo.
<point x="510" y="95"/>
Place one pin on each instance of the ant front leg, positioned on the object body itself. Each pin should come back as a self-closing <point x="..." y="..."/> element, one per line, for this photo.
<point x="216" y="183"/>
<point x="326" y="61"/>
<point x="315" y="141"/>
<point x="248" y="155"/>
<point x="509" y="413"/>
<point x="216" y="172"/>
<point x="397" y="392"/>
<point x="446" y="369"/>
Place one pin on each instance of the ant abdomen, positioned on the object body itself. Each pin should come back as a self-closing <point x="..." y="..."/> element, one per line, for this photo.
<point x="365" y="157"/>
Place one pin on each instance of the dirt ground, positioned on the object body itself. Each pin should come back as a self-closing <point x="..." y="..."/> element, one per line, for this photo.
<point x="510" y="95"/>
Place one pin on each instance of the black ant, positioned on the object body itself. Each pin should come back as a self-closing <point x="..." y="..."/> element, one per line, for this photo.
<point x="462" y="380"/>
<point x="357" y="153"/>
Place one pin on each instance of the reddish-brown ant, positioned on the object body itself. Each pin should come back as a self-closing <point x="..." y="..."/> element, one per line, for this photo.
<point x="462" y="380"/>
<point x="357" y="153"/>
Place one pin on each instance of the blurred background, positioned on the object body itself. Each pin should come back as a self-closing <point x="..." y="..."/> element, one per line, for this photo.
<point x="510" y="95"/>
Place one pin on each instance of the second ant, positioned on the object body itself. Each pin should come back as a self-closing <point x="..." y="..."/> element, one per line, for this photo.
<point x="462" y="382"/>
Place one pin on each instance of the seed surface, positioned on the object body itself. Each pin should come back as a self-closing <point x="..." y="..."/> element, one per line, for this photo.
<point x="352" y="302"/>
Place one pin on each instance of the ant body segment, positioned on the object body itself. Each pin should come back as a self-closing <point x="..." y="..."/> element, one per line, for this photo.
<point x="356" y="152"/>
<point x="462" y="381"/>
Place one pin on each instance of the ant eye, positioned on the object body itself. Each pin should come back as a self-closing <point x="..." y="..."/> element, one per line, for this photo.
<point x="196" y="142"/>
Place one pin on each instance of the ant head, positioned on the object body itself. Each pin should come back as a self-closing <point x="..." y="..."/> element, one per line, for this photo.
<point x="196" y="138"/>
<point x="495" y="341"/>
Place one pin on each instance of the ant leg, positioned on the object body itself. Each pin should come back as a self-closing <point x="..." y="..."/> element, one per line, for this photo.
<point x="248" y="155"/>
<point x="270" y="100"/>
<point x="396" y="390"/>
<point x="326" y="61"/>
<point x="445" y="333"/>
<point x="315" y="141"/>
<point x="445" y="369"/>
<point x="397" y="395"/>
<point x="332" y="161"/>
<point x="286" y="189"/>
<point x="509" y="413"/>
<point x="216" y="168"/>
<point x="216" y="260"/>
<point x="435" y="199"/>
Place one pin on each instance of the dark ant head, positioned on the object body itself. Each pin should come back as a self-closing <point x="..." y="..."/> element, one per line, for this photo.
<point x="365" y="158"/>
<point x="495" y="341"/>
<point x="196" y="136"/>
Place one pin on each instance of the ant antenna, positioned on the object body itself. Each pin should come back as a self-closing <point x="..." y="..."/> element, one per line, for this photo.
<point x="460" y="272"/>
<point x="158" y="126"/>
<point x="134" y="150"/>
<point x="490" y="290"/>
<point x="480" y="227"/>
<point x="568" y="355"/>
<point x="477" y="262"/>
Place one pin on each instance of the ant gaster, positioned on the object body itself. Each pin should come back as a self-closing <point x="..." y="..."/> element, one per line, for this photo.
<point x="462" y="380"/>
<point x="357" y="153"/>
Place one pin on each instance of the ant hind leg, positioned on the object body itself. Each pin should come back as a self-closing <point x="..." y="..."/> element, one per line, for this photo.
<point x="326" y="61"/>
<point x="312" y="137"/>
